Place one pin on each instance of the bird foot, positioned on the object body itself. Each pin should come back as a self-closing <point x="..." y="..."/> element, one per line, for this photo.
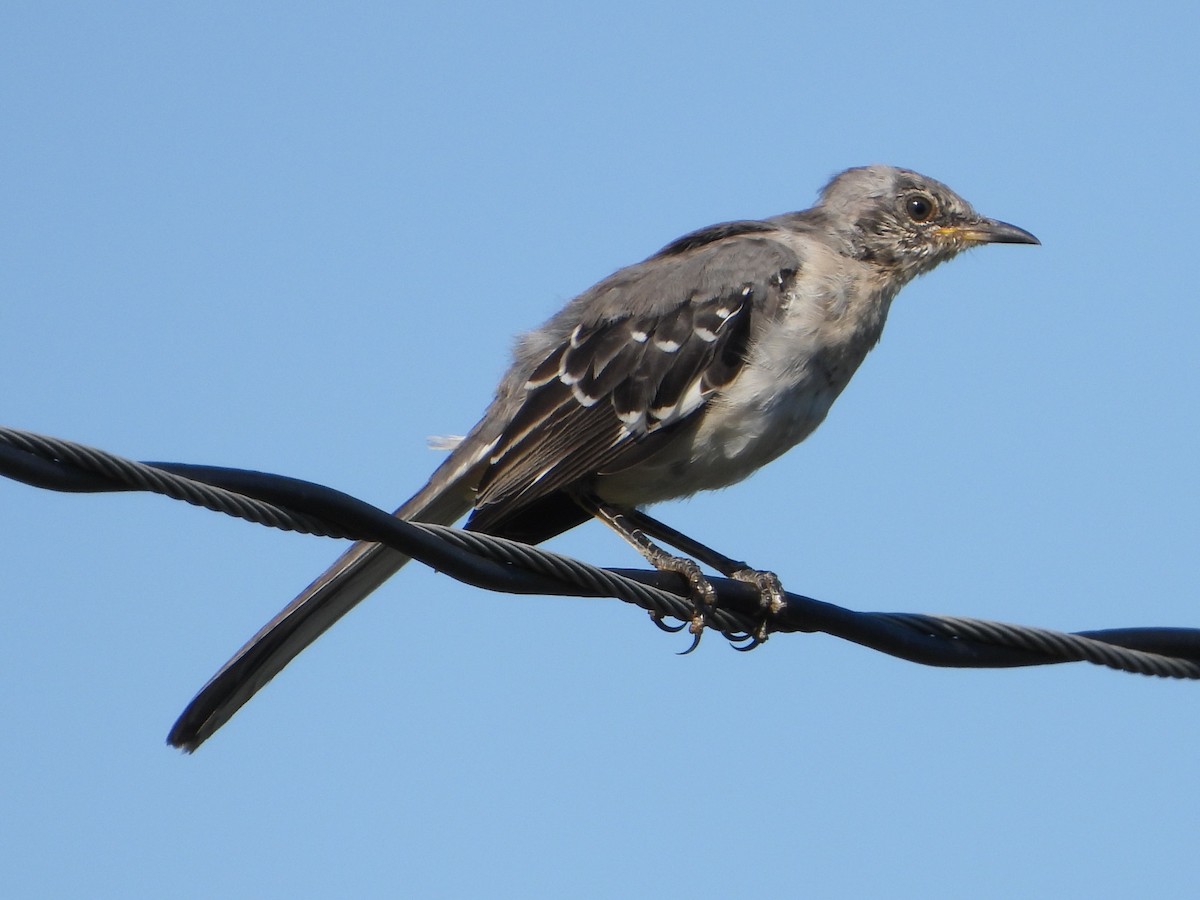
<point x="703" y="594"/>
<point x="770" y="589"/>
<point x="772" y="599"/>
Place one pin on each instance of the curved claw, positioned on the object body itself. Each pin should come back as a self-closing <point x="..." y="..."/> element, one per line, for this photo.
<point x="669" y="629"/>
<point x="696" y="635"/>
<point x="752" y="641"/>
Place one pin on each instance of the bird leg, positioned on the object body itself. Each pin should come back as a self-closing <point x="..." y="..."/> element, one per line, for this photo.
<point x="704" y="597"/>
<point x="634" y="525"/>
<point x="772" y="596"/>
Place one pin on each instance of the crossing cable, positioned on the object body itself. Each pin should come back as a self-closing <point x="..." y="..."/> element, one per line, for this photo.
<point x="509" y="566"/>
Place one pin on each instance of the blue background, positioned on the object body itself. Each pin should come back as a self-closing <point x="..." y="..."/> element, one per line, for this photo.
<point x="299" y="238"/>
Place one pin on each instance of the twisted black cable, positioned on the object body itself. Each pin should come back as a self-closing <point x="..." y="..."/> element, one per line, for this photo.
<point x="503" y="565"/>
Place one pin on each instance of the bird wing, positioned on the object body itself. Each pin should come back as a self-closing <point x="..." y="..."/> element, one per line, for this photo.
<point x="664" y="339"/>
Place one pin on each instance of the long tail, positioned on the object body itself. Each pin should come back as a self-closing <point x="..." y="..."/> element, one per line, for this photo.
<point x="358" y="572"/>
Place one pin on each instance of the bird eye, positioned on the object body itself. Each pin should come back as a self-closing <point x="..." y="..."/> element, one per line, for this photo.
<point x="919" y="207"/>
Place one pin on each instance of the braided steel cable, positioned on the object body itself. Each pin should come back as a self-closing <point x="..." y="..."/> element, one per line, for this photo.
<point x="505" y="565"/>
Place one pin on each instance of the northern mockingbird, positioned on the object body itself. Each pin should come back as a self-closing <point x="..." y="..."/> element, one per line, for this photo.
<point x="681" y="373"/>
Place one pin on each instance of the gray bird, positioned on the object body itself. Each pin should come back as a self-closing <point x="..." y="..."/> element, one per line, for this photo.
<point x="682" y="373"/>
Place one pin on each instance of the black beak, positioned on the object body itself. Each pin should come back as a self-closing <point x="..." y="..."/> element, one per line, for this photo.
<point x="991" y="231"/>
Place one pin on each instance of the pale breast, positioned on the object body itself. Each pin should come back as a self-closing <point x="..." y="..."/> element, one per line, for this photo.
<point x="800" y="362"/>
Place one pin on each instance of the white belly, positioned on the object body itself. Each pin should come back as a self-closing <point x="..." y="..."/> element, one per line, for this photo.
<point x="802" y="362"/>
<point x="733" y="440"/>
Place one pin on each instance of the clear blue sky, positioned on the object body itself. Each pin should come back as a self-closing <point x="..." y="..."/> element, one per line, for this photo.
<point x="299" y="239"/>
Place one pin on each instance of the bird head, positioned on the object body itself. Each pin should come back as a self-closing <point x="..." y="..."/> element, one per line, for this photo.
<point x="906" y="222"/>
